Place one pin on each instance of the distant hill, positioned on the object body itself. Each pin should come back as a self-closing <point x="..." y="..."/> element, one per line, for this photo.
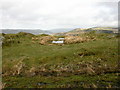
<point x="33" y="31"/>
<point x="63" y="31"/>
<point x="59" y="30"/>
<point x="36" y="31"/>
<point x="85" y="30"/>
<point x="95" y="29"/>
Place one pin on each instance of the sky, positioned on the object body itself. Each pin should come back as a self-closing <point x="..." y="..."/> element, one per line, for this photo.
<point x="52" y="14"/>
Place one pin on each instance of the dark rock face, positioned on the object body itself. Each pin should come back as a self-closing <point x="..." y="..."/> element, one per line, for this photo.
<point x="97" y="31"/>
<point x="104" y="31"/>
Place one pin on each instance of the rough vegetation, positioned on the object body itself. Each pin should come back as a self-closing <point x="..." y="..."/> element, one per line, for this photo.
<point x="87" y="61"/>
<point x="77" y="39"/>
<point x="47" y="39"/>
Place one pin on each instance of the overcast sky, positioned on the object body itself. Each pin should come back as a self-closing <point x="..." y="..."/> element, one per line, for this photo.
<point x="52" y="14"/>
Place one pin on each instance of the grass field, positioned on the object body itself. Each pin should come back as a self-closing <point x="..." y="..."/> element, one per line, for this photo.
<point x="89" y="64"/>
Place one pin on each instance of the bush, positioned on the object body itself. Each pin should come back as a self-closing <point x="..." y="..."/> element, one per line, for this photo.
<point x="23" y="34"/>
<point x="43" y="35"/>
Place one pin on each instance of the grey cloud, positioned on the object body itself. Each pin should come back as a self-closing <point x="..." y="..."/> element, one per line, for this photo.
<point x="109" y="16"/>
<point x="113" y="6"/>
<point x="19" y="14"/>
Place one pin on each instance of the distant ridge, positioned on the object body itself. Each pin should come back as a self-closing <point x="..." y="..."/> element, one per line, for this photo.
<point x="59" y="30"/>
<point x="62" y="31"/>
<point x="33" y="31"/>
<point x="85" y="30"/>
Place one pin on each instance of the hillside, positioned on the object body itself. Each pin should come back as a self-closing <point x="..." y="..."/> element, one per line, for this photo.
<point x="91" y="64"/>
<point x="85" y="30"/>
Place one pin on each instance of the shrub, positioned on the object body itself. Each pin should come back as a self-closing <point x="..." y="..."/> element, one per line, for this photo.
<point x="43" y="35"/>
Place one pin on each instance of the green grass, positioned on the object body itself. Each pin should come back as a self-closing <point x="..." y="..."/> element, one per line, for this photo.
<point x="54" y="57"/>
<point x="82" y="81"/>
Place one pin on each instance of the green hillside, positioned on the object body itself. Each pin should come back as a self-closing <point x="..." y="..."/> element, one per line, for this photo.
<point x="88" y="64"/>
